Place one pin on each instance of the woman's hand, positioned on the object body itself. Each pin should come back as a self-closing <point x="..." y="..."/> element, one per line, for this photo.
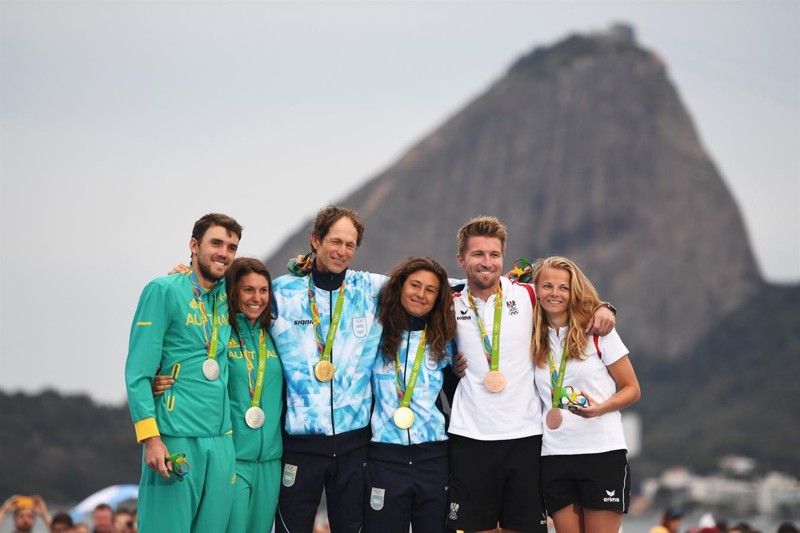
<point x="591" y="410"/>
<point x="628" y="391"/>
<point x="460" y="365"/>
<point x="161" y="384"/>
<point x="180" y="268"/>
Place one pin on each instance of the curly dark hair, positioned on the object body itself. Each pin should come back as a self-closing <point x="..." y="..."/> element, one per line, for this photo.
<point x="441" y="323"/>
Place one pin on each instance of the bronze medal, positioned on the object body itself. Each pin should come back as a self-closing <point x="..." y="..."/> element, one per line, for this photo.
<point x="324" y="371"/>
<point x="553" y="419"/>
<point x="403" y="417"/>
<point x="495" y="381"/>
<point x="211" y="369"/>
<point x="254" y="417"/>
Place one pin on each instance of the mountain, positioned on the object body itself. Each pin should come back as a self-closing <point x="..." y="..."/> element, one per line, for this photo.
<point x="731" y="394"/>
<point x="582" y="149"/>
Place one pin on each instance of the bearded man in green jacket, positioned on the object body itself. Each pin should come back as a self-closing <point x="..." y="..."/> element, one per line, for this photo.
<point x="181" y="329"/>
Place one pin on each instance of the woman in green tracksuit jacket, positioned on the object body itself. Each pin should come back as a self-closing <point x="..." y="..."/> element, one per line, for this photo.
<point x="255" y="387"/>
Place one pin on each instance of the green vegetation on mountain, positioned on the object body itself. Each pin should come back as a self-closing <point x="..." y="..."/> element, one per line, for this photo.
<point x="732" y="394"/>
<point x="583" y="149"/>
<point x="64" y="447"/>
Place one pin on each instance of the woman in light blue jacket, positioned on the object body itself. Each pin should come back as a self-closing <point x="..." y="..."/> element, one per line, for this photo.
<point x="407" y="470"/>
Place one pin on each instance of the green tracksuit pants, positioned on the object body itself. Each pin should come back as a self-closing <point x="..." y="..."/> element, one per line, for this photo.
<point x="202" y="501"/>
<point x="255" y="496"/>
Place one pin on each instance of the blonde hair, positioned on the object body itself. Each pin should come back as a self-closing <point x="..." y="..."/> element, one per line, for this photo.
<point x="481" y="226"/>
<point x="583" y="301"/>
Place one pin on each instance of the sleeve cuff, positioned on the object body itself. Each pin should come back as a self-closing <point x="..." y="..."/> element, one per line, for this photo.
<point x="145" y="429"/>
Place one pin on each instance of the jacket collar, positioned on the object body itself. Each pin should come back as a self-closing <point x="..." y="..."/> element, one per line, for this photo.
<point x="327" y="281"/>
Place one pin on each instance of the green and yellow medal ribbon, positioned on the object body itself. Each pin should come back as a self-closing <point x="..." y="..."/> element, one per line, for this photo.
<point x="255" y="373"/>
<point x="557" y="377"/>
<point x="405" y="390"/>
<point x="324" y="349"/>
<point x="490" y="348"/>
<point x="210" y="332"/>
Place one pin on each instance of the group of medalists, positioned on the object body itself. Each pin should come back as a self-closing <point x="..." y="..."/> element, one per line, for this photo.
<point x="252" y="395"/>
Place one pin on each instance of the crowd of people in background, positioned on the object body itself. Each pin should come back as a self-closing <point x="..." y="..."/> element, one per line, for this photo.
<point x="26" y="510"/>
<point x="672" y="521"/>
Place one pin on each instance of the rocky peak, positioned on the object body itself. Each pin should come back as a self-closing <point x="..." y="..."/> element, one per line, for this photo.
<point x="583" y="149"/>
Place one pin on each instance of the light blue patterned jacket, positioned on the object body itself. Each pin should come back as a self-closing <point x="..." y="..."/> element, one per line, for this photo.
<point x="429" y="424"/>
<point x="343" y="404"/>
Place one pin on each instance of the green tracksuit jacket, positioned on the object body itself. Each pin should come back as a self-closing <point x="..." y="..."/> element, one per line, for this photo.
<point x="264" y="443"/>
<point x="258" y="451"/>
<point x="168" y="336"/>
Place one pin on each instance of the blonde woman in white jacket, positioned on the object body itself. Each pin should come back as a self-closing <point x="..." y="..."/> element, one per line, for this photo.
<point x="583" y="382"/>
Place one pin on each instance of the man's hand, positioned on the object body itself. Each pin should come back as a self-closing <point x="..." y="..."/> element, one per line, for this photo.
<point x="10" y="504"/>
<point x="601" y="322"/>
<point x="40" y="508"/>
<point x="155" y="456"/>
<point x="161" y="384"/>
<point x="301" y="265"/>
<point x="520" y="271"/>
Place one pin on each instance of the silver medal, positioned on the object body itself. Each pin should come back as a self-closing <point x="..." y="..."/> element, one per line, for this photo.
<point x="211" y="369"/>
<point x="254" y="417"/>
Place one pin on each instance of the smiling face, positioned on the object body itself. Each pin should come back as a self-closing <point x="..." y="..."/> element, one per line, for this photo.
<point x="337" y="247"/>
<point x="482" y="262"/>
<point x="212" y="255"/>
<point x="253" y="295"/>
<point x="419" y="293"/>
<point x="553" y="293"/>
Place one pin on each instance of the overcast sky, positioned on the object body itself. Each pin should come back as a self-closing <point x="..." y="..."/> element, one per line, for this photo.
<point x="121" y="123"/>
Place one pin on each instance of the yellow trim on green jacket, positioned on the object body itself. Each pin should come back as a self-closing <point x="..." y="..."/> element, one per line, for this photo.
<point x="145" y="429"/>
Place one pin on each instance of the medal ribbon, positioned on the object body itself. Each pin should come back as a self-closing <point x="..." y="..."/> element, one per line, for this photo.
<point x="492" y="350"/>
<point x="210" y="331"/>
<point x="255" y="375"/>
<point x="324" y="349"/>
<point x="557" y="378"/>
<point x="404" y="391"/>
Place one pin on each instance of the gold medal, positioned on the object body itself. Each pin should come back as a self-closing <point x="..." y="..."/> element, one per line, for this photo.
<point x="553" y="419"/>
<point x="495" y="381"/>
<point x="211" y="369"/>
<point x="403" y="417"/>
<point x="254" y="417"/>
<point x="324" y="371"/>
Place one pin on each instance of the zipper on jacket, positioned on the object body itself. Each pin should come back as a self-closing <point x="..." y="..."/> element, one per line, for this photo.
<point x="405" y="382"/>
<point x="330" y="320"/>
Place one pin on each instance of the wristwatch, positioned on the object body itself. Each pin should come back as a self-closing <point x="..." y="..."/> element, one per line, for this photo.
<point x="606" y="304"/>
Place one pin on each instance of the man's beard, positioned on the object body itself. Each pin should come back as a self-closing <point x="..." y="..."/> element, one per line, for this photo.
<point x="205" y="271"/>
<point x="479" y="282"/>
